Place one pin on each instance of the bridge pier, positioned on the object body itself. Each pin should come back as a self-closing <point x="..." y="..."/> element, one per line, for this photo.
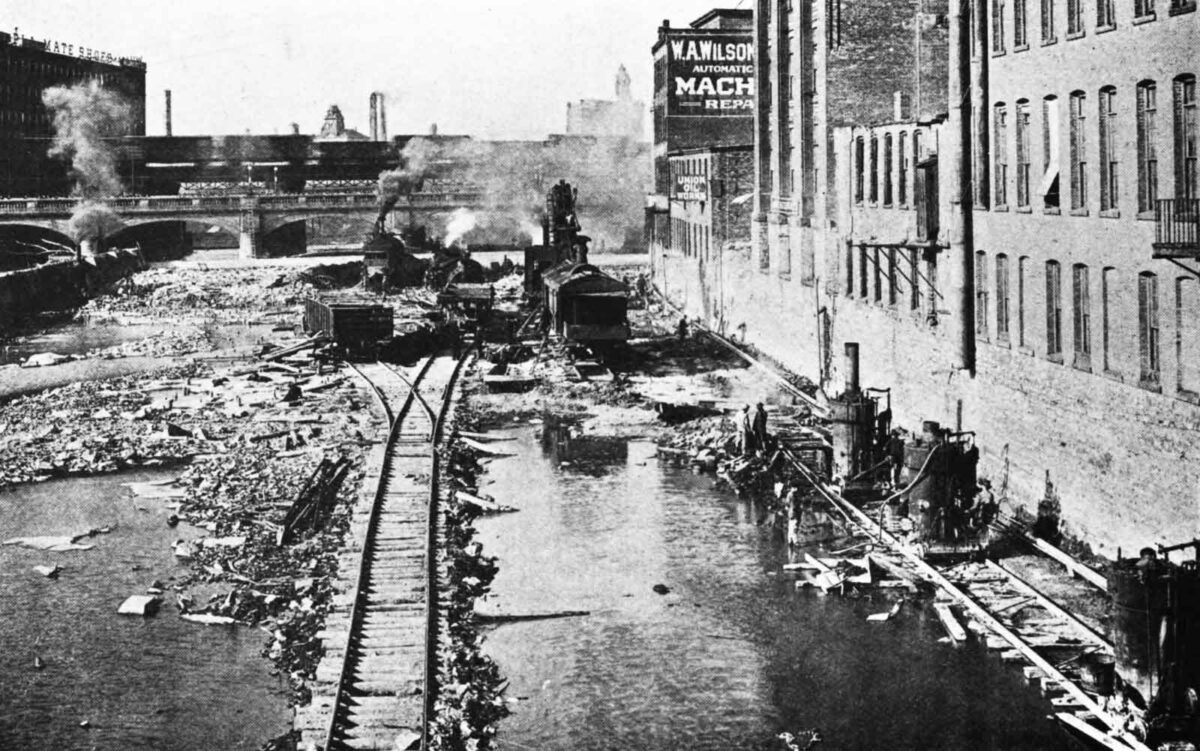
<point x="251" y="231"/>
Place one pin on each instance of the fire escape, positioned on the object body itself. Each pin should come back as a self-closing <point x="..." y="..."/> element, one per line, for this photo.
<point x="1177" y="232"/>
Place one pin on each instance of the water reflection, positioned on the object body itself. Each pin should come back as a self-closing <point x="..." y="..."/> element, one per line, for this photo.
<point x="159" y="683"/>
<point x="733" y="654"/>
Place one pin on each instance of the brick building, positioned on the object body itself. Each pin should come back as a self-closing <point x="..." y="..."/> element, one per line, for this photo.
<point x="29" y="66"/>
<point x="704" y="176"/>
<point x="1027" y="262"/>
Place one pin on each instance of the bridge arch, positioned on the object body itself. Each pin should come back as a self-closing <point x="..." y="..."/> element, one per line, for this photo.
<point x="170" y="238"/>
<point x="29" y="243"/>
<point x="293" y="234"/>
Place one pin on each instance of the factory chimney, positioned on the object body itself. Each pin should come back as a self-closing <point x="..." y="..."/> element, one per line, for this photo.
<point x="378" y="117"/>
<point x="295" y="129"/>
<point x="167" y="111"/>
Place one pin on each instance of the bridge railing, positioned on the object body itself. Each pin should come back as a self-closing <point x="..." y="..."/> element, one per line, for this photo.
<point x="269" y="202"/>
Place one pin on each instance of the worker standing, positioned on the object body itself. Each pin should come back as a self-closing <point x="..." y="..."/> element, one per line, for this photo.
<point x="759" y="427"/>
<point x="682" y="328"/>
<point x="745" y="432"/>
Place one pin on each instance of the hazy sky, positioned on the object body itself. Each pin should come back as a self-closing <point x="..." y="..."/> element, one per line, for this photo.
<point x="489" y="69"/>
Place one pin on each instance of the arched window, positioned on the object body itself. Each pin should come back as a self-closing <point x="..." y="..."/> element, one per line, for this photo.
<point x="1109" y="191"/>
<point x="1078" y="151"/>
<point x="1053" y="309"/>
<point x="858" y="169"/>
<point x="981" y="294"/>
<point x="873" y="171"/>
<point x="902" y="177"/>
<point x="1022" y="126"/>
<point x="1187" y="142"/>
<point x="1148" y="328"/>
<point x="1081" y="310"/>
<point x="1000" y="154"/>
<point x="1002" y="297"/>
<point x="1147" y="145"/>
<point x="888" y="173"/>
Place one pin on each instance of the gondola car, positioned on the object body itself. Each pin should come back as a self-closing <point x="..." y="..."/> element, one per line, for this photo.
<point x="586" y="305"/>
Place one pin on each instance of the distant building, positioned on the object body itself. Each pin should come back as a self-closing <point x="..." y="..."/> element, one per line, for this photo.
<point x="28" y="67"/>
<point x="620" y="117"/>
<point x="704" y="87"/>
<point x="704" y="177"/>
<point x="334" y="128"/>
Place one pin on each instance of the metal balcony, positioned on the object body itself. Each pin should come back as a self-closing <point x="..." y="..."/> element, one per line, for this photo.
<point x="1177" y="228"/>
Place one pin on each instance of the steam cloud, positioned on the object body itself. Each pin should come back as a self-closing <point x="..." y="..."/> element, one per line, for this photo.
<point x="92" y="220"/>
<point x="84" y="115"/>
<point x="461" y="222"/>
<point x="612" y="175"/>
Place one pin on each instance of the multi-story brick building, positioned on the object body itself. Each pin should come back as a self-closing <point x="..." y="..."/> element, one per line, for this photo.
<point x="27" y="68"/>
<point x="704" y="95"/>
<point x="997" y="264"/>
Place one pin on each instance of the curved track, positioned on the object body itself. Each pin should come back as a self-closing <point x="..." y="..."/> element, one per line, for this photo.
<point x="375" y="685"/>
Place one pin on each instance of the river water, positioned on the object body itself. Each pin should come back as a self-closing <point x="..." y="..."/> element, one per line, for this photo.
<point x="733" y="654"/>
<point x="156" y="683"/>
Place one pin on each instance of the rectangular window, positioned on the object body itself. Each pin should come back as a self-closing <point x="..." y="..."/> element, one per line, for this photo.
<point x="1020" y="39"/>
<point x="1105" y="285"/>
<point x="1108" y="149"/>
<point x="1082" y="315"/>
<point x="873" y="171"/>
<point x="1053" y="310"/>
<point x="1148" y="327"/>
<point x="1022" y="153"/>
<point x="1147" y="139"/>
<point x="887" y="169"/>
<point x="1050" y="154"/>
<point x="849" y="270"/>
<point x="902" y="180"/>
<point x="914" y="258"/>
<point x="864" y="263"/>
<point x="1187" y="145"/>
<point x="1074" y="17"/>
<point x="859" y="167"/>
<point x="877" y="272"/>
<point x="1143" y="7"/>
<point x="1187" y="338"/>
<point x="1105" y="17"/>
<point x="893" y="275"/>
<point x="997" y="26"/>
<point x="1078" y="152"/>
<point x="981" y="294"/>
<point x="1000" y="155"/>
<point x="1002" y="297"/>
<point x="1047" y="21"/>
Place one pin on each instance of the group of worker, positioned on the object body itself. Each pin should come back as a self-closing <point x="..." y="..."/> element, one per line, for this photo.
<point x="752" y="431"/>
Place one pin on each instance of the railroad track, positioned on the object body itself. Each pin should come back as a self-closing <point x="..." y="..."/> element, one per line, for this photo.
<point x="374" y="688"/>
<point x="1047" y="638"/>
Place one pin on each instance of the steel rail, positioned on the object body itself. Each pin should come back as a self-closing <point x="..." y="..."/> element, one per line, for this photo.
<point x="432" y="600"/>
<point x="357" y="612"/>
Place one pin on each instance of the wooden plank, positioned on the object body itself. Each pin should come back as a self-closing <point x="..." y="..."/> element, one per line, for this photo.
<point x="1051" y="606"/>
<point x="953" y="628"/>
<point x="1089" y="732"/>
<point x="1089" y="575"/>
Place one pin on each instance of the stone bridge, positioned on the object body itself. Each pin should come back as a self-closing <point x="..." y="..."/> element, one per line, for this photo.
<point x="250" y="217"/>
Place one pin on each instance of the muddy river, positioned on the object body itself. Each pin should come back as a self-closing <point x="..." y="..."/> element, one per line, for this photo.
<point x="733" y="654"/>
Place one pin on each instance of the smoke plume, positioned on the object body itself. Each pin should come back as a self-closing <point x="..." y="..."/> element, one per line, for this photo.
<point x="461" y="222"/>
<point x="92" y="220"/>
<point x="512" y="177"/>
<point x="84" y="115"/>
